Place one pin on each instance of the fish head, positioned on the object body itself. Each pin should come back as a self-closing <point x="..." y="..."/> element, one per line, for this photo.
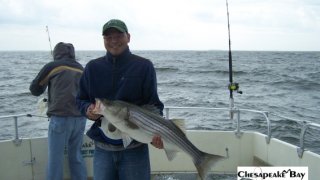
<point x="110" y="108"/>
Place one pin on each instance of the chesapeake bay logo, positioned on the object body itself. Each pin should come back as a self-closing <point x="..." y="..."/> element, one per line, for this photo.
<point x="272" y="173"/>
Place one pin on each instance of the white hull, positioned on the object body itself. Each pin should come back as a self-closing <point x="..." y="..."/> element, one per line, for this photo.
<point x="28" y="160"/>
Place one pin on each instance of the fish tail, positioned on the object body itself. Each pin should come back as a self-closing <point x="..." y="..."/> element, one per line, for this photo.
<point x="206" y="162"/>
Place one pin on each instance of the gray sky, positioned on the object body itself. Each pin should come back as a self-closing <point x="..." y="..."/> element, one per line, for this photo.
<point x="289" y="25"/>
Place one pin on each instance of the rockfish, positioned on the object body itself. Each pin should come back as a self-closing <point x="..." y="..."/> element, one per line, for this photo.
<point x="138" y="123"/>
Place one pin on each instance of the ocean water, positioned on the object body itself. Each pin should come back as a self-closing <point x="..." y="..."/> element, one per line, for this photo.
<point x="283" y="83"/>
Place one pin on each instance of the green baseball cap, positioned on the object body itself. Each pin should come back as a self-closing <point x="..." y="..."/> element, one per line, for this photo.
<point x="115" y="23"/>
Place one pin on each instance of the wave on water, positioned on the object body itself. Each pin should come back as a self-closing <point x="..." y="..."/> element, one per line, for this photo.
<point x="166" y="69"/>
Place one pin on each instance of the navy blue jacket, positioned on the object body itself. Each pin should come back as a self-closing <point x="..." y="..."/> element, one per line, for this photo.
<point x="127" y="77"/>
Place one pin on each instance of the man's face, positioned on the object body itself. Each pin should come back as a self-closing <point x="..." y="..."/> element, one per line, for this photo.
<point x="115" y="41"/>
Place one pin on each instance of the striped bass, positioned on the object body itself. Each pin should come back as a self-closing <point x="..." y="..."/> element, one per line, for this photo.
<point x="138" y="123"/>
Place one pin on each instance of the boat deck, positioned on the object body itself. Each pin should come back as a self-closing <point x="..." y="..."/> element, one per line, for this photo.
<point x="27" y="158"/>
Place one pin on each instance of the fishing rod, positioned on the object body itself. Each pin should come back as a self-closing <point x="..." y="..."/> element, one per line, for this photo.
<point x="232" y="86"/>
<point x="47" y="29"/>
<point x="43" y="102"/>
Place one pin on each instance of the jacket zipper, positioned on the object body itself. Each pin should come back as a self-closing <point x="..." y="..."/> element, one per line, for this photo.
<point x="113" y="75"/>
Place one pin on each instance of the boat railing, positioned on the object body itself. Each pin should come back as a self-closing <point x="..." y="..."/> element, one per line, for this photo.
<point x="265" y="114"/>
<point x="17" y="140"/>
<point x="233" y="111"/>
<point x="305" y="126"/>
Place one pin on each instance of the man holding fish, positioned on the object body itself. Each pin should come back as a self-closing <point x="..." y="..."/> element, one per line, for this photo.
<point x="119" y="75"/>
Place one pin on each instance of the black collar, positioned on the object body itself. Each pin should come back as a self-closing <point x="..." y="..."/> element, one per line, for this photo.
<point x="120" y="59"/>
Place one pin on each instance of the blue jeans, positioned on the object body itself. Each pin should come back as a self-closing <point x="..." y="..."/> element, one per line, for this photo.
<point x="66" y="133"/>
<point x="129" y="164"/>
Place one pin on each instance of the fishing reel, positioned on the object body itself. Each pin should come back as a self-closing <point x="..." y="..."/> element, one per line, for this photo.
<point x="234" y="87"/>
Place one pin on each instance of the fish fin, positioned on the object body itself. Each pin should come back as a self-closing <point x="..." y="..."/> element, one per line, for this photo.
<point x="171" y="154"/>
<point x="180" y="123"/>
<point x="130" y="124"/>
<point x="126" y="139"/>
<point x="206" y="162"/>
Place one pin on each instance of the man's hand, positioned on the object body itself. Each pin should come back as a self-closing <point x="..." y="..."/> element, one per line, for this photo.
<point x="157" y="142"/>
<point x="90" y="114"/>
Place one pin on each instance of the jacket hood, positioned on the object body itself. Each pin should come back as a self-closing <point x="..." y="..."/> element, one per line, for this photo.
<point x="63" y="51"/>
